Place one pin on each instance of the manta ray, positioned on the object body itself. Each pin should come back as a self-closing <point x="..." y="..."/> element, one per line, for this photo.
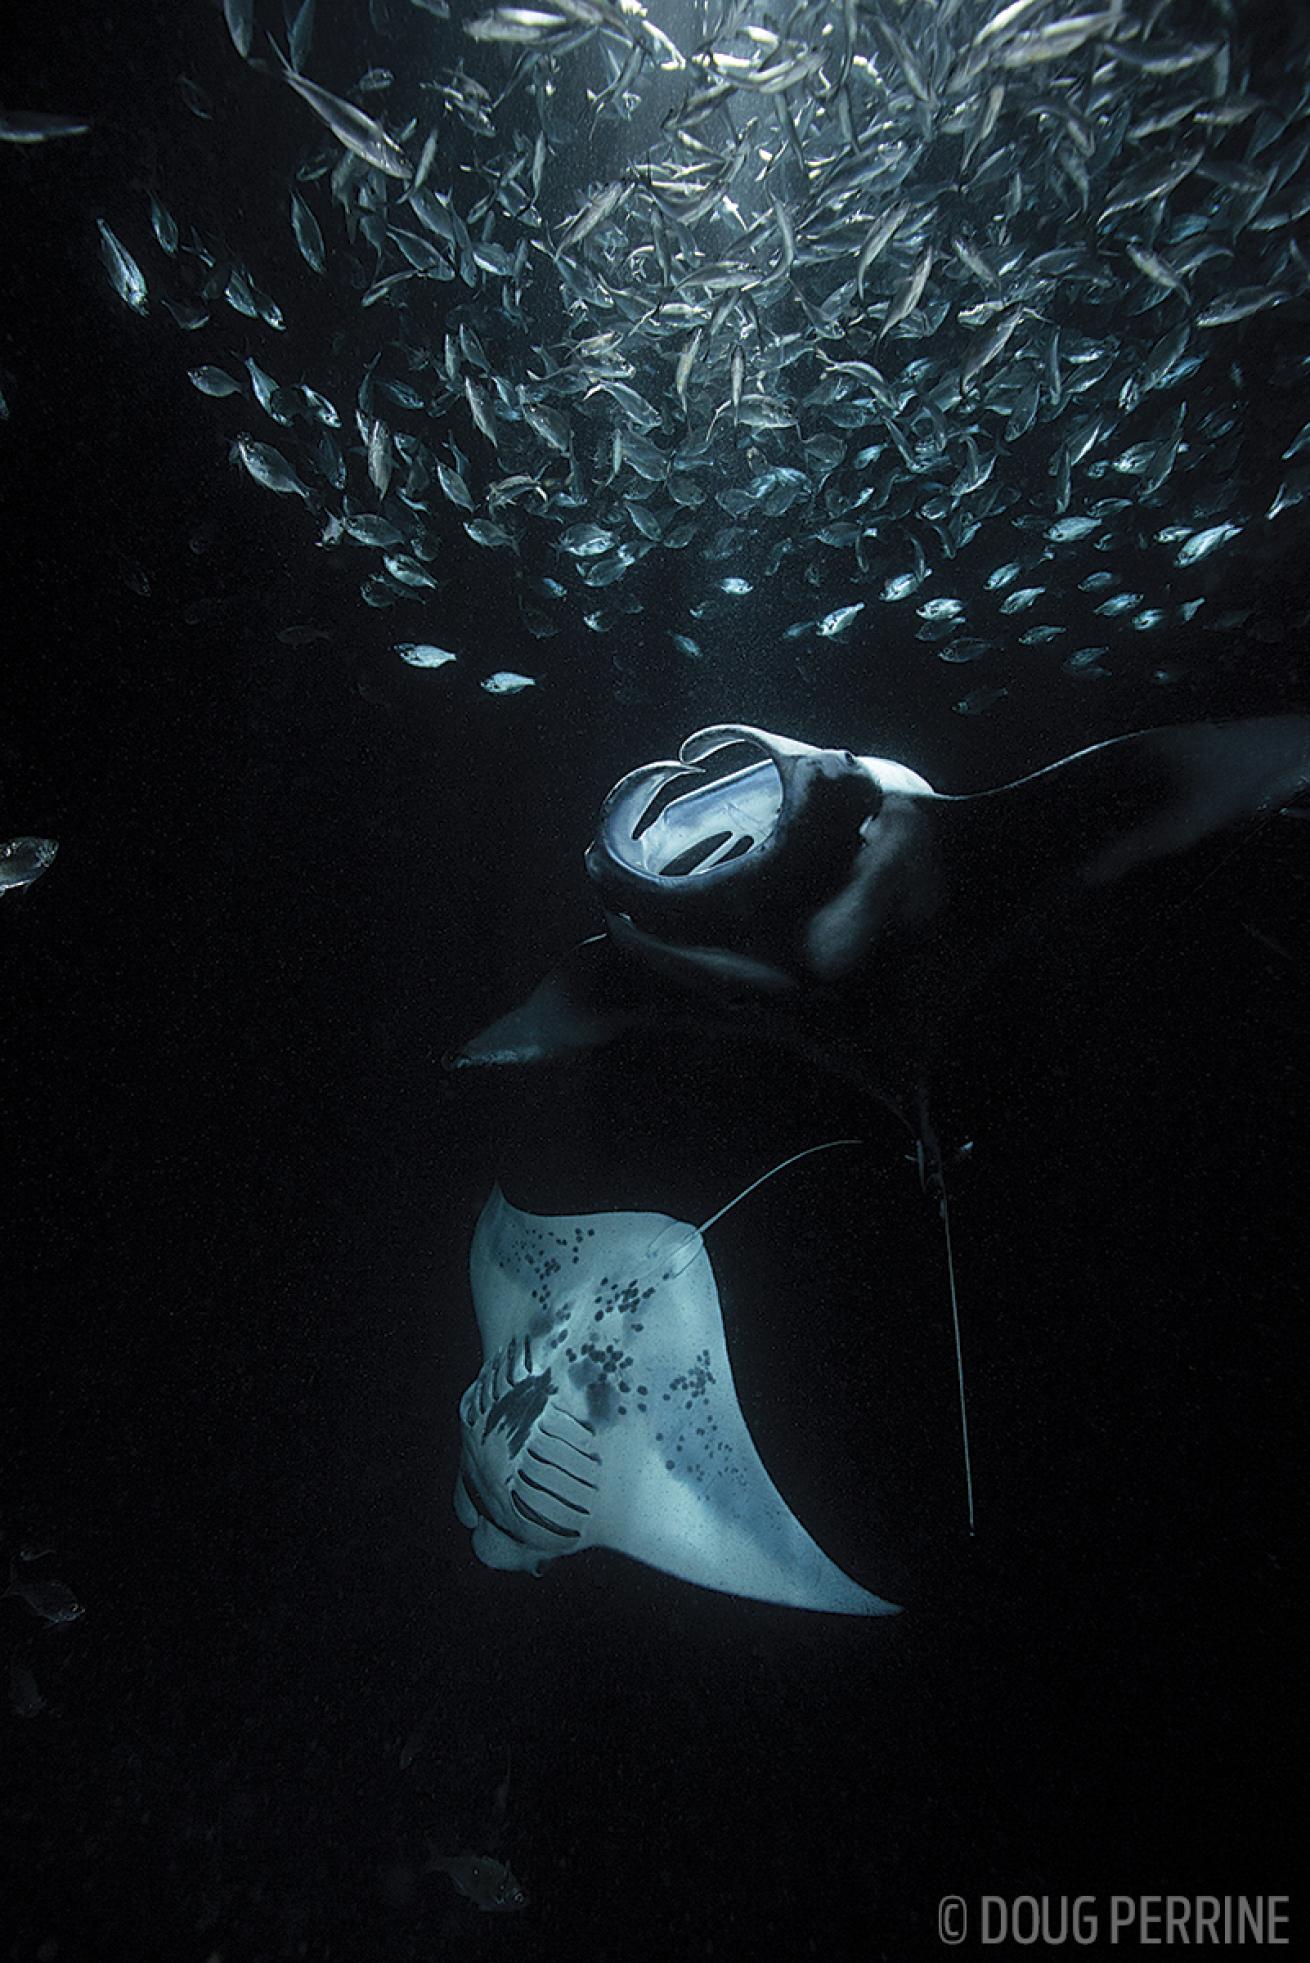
<point x="605" y="1413"/>
<point x="842" y="906"/>
<point x="837" y="904"/>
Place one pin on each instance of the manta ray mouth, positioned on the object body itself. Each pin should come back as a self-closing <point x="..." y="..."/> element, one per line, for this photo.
<point x="702" y="846"/>
<point x="677" y="821"/>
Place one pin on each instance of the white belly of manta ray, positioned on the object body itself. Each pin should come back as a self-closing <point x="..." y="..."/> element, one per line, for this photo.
<point x="605" y="1414"/>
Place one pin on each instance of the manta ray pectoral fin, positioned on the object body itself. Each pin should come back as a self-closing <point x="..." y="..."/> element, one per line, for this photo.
<point x="1214" y="776"/>
<point x="712" y="968"/>
<point x="1135" y="799"/>
<point x="605" y="989"/>
<point x="588" y="1000"/>
<point x="743" y="1541"/>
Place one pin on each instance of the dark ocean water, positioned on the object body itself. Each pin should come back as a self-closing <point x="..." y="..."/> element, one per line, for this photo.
<point x="241" y="1191"/>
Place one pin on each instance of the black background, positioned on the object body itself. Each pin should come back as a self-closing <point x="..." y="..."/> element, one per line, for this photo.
<point x="239" y="1203"/>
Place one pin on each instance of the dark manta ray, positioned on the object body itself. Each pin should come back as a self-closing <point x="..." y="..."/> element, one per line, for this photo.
<point x="837" y="904"/>
<point x="840" y="905"/>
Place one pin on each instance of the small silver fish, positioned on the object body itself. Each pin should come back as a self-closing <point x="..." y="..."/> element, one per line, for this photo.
<point x="839" y="620"/>
<point x="164" y="226"/>
<point x="55" y="1604"/>
<point x="454" y="487"/>
<point x="586" y="541"/>
<point x="125" y="275"/>
<point x="485" y="531"/>
<point x="308" y="234"/>
<point x="1241" y="304"/>
<point x="1085" y="664"/>
<point x="357" y="132"/>
<point x="213" y="381"/>
<point x="405" y="568"/>
<point x="38" y="126"/>
<point x="506" y="682"/>
<point x="366" y="528"/>
<point x="195" y="99"/>
<point x="23" y="860"/>
<point x="485" y="1881"/>
<point x="980" y="701"/>
<point x="240" y="18"/>
<point x="421" y="654"/>
<point x="1202" y="544"/>
<point x="25" y="1699"/>
<point x="592" y="215"/>
<point x="303" y="637"/>
<point x="269" y="468"/>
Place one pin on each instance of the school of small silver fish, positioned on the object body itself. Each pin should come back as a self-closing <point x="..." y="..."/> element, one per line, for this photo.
<point x="827" y="290"/>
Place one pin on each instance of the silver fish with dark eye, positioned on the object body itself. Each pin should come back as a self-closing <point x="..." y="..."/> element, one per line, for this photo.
<point x="213" y="381"/>
<point x="270" y="468"/>
<point x="506" y="682"/>
<point x="125" y="275"/>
